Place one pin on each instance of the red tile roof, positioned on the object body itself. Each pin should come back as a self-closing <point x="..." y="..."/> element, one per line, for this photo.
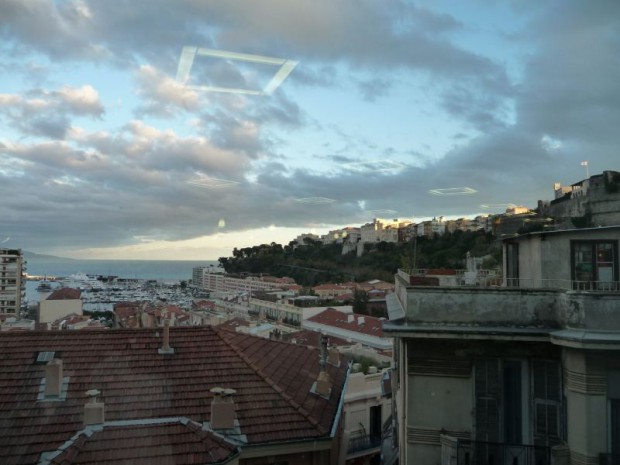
<point x="312" y="338"/>
<point x="66" y="293"/>
<point x="273" y="380"/>
<point x="234" y="323"/>
<point x="337" y="319"/>
<point x="168" y="442"/>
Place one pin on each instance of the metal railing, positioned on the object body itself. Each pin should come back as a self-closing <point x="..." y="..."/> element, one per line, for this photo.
<point x="567" y="284"/>
<point x="494" y="281"/>
<point x="493" y="453"/>
<point x="362" y="443"/>
<point x="609" y="459"/>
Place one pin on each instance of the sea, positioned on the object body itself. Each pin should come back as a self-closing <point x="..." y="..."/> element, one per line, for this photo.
<point x="160" y="270"/>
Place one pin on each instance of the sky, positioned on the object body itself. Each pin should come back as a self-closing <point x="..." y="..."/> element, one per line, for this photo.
<point x="180" y="129"/>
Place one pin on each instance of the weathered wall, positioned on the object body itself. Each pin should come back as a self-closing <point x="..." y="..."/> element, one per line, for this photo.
<point x="512" y="307"/>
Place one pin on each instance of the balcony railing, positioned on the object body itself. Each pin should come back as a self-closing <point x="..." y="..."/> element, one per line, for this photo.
<point x="609" y="459"/>
<point x="567" y="284"/>
<point x="485" y="279"/>
<point x="491" y="453"/>
<point x="363" y="443"/>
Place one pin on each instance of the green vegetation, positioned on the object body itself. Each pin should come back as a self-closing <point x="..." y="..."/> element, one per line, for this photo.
<point x="316" y="263"/>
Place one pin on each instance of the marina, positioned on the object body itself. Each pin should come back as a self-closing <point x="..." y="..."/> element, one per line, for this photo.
<point x="101" y="296"/>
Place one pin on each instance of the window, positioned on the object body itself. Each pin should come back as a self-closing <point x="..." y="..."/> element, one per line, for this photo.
<point x="512" y="264"/>
<point x="594" y="265"/>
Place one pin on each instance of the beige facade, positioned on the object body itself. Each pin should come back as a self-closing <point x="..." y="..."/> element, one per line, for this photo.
<point x="366" y="411"/>
<point x="52" y="310"/>
<point x="503" y="373"/>
<point x="276" y="311"/>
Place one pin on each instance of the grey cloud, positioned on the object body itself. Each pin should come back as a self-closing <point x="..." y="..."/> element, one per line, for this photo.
<point x="372" y="89"/>
<point x="53" y="128"/>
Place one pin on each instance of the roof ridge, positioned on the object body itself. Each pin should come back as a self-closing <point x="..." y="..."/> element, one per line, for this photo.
<point x="269" y="381"/>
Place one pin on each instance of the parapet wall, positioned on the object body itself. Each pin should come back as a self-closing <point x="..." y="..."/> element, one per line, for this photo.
<point x="510" y="307"/>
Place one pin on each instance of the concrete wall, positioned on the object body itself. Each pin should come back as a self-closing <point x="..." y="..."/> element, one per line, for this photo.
<point x="482" y="306"/>
<point x="510" y="307"/>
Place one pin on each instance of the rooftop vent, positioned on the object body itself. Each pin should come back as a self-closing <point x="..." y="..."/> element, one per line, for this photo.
<point x="222" y="408"/>
<point x="93" y="410"/>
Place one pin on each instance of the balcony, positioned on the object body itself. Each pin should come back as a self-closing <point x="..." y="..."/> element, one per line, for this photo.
<point x="492" y="453"/>
<point x="363" y="444"/>
<point x="488" y="279"/>
<point x="528" y="305"/>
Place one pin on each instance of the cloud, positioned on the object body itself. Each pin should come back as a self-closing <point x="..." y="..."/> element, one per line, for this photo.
<point x="326" y="133"/>
<point x="43" y="113"/>
<point x="163" y="95"/>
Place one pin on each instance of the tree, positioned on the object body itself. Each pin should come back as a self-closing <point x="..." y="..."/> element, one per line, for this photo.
<point x="360" y="302"/>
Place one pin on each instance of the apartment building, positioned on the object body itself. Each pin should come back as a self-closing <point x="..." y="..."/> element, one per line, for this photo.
<point x="216" y="281"/>
<point x="12" y="284"/>
<point x="523" y="372"/>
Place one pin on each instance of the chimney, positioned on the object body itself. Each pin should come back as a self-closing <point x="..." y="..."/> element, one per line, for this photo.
<point x="323" y="382"/>
<point x="222" y="408"/>
<point x="53" y="378"/>
<point x="333" y="356"/>
<point x="93" y="410"/>
<point x="165" y="348"/>
<point x="361" y="320"/>
<point x="350" y="318"/>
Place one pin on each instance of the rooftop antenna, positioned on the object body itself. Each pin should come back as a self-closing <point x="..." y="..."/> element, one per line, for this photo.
<point x="585" y="165"/>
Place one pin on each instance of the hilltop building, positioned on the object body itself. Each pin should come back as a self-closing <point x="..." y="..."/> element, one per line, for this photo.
<point x="591" y="202"/>
<point x="12" y="284"/>
<point x="338" y="236"/>
<point x="523" y="372"/>
<point x="381" y="230"/>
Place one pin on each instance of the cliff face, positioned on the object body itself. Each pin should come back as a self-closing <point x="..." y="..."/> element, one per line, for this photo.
<point x="592" y="202"/>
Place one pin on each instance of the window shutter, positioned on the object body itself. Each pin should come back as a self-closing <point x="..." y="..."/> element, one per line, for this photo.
<point x="488" y="395"/>
<point x="547" y="398"/>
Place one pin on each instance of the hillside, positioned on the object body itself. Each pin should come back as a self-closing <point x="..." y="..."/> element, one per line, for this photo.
<point x="316" y="263"/>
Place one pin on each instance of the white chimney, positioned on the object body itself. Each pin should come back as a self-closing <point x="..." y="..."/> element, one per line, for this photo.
<point x="360" y="320"/>
<point x="53" y="378"/>
<point x="222" y="408"/>
<point x="165" y="348"/>
<point x="93" y="410"/>
<point x="350" y="318"/>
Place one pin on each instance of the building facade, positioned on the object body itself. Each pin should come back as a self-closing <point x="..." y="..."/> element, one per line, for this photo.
<point x="12" y="284"/>
<point x="525" y="371"/>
